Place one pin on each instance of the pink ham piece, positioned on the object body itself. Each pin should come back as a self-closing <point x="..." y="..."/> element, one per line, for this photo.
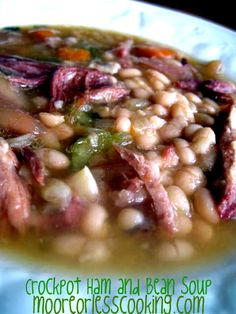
<point x="35" y="164"/>
<point x="219" y="86"/>
<point x="218" y="90"/>
<point x="174" y="72"/>
<point x="105" y="95"/>
<point x="69" y="82"/>
<point x="24" y="72"/>
<point x="123" y="49"/>
<point x="14" y="197"/>
<point x="67" y="218"/>
<point x="191" y="85"/>
<point x="133" y="192"/>
<point x="227" y="205"/>
<point x="148" y="172"/>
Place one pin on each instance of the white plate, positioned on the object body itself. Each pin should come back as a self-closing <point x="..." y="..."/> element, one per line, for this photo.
<point x="195" y="36"/>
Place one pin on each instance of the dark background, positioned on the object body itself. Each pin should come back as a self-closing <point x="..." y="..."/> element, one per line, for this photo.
<point x="220" y="11"/>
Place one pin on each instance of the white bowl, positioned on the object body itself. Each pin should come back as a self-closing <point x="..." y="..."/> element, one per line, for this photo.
<point x="197" y="37"/>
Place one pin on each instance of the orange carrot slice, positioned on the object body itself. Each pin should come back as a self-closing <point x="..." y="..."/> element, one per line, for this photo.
<point x="42" y="34"/>
<point x="80" y="55"/>
<point x="151" y="51"/>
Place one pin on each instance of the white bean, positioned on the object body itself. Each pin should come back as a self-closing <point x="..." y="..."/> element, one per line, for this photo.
<point x="184" y="249"/>
<point x="131" y="84"/>
<point x="95" y="251"/>
<point x="178" y="199"/>
<point x="130" y="218"/>
<point x="123" y="124"/>
<point x="193" y="98"/>
<point x="142" y="83"/>
<point x="54" y="159"/>
<point x="170" y="130"/>
<point x="153" y="75"/>
<point x="182" y="110"/>
<point x="51" y="119"/>
<point x="213" y="68"/>
<point x="202" y="231"/>
<point x="160" y="110"/>
<point x="179" y="250"/>
<point x="182" y="99"/>
<point x="209" y="106"/>
<point x="191" y="129"/>
<point x="68" y="245"/>
<point x="123" y="112"/>
<point x="93" y="222"/>
<point x="207" y="161"/>
<point x="63" y="131"/>
<point x="156" y="122"/>
<point x="166" y="252"/>
<point x="165" y="98"/>
<point x="109" y="67"/>
<point x="49" y="139"/>
<point x="202" y="140"/>
<point x="141" y="93"/>
<point x="166" y="177"/>
<point x="129" y="72"/>
<point x="57" y="192"/>
<point x="204" y="205"/>
<point x="184" y="225"/>
<point x="204" y="119"/>
<point x="185" y="153"/>
<point x="189" y="178"/>
<point x="147" y="140"/>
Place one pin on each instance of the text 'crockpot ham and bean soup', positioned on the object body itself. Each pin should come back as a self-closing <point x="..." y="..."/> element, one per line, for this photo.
<point x="113" y="151"/>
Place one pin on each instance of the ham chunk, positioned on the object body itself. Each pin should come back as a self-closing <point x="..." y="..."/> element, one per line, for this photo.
<point x="69" y="82"/>
<point x="14" y="197"/>
<point x="173" y="71"/>
<point x="148" y="172"/>
<point x="227" y="204"/>
<point x="25" y="72"/>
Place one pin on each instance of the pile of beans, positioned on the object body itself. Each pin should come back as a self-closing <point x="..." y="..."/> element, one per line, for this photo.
<point x="158" y="116"/>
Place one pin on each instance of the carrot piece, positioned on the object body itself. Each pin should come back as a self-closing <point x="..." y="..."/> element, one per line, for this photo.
<point x="151" y="51"/>
<point x="41" y="34"/>
<point x="74" y="54"/>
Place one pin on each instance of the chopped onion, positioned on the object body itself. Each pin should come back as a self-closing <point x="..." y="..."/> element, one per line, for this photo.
<point x="84" y="185"/>
<point x="21" y="141"/>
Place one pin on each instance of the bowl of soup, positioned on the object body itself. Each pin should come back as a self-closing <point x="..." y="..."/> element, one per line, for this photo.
<point x="117" y="150"/>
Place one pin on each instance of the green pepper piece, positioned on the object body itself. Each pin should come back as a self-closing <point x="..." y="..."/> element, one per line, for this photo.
<point x="121" y="138"/>
<point x="98" y="142"/>
<point x="81" y="152"/>
<point x="79" y="117"/>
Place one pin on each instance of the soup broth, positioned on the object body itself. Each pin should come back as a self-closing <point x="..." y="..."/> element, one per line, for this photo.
<point x="115" y="152"/>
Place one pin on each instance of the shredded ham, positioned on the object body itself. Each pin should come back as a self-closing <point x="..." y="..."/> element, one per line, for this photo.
<point x="148" y="172"/>
<point x="218" y="90"/>
<point x="173" y="71"/>
<point x="227" y="205"/>
<point x="123" y="49"/>
<point x="25" y="72"/>
<point x="133" y="192"/>
<point x="35" y="164"/>
<point x="68" y="218"/>
<point x="106" y="95"/>
<point x="69" y="82"/>
<point x="14" y="197"/>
